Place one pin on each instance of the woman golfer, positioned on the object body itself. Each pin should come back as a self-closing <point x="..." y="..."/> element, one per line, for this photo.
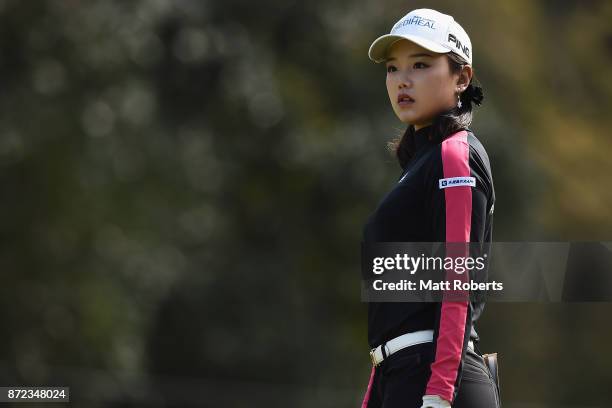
<point x="423" y="354"/>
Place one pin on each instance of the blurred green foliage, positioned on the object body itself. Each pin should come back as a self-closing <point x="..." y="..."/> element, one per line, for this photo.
<point x="184" y="185"/>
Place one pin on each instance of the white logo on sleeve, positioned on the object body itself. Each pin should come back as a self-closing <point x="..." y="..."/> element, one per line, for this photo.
<point x="457" y="181"/>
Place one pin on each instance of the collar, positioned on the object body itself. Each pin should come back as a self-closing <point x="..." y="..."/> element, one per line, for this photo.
<point x="421" y="137"/>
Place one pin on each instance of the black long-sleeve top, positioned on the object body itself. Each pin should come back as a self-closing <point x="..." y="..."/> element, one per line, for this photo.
<point x="444" y="194"/>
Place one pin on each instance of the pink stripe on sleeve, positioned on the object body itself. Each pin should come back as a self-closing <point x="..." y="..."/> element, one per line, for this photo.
<point x="453" y="314"/>
<point x="366" y="398"/>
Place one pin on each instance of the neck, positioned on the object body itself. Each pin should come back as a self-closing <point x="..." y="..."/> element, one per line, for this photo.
<point x="421" y="126"/>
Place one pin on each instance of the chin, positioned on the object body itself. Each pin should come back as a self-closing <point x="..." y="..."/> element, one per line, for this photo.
<point x="410" y="118"/>
<point x="407" y="119"/>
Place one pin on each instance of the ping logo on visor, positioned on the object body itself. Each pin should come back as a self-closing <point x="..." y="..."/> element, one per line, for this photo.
<point x="457" y="181"/>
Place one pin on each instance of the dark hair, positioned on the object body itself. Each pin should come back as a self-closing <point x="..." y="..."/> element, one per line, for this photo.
<point x="446" y="123"/>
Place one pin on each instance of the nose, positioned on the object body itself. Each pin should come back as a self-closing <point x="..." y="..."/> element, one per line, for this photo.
<point x="403" y="85"/>
<point x="404" y="80"/>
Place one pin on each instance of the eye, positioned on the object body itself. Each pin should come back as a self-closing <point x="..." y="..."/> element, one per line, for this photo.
<point x="422" y="63"/>
<point x="390" y="68"/>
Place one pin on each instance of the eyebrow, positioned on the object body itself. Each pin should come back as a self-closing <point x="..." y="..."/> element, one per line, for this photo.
<point x="422" y="54"/>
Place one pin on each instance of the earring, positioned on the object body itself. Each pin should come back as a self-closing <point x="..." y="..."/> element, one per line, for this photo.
<point x="459" y="100"/>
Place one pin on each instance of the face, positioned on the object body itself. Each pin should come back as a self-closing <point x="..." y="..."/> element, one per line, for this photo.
<point x="425" y="76"/>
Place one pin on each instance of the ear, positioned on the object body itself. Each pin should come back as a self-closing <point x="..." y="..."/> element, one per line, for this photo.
<point x="465" y="76"/>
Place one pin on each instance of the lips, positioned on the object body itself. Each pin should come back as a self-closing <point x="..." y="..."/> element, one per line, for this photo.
<point x="404" y="99"/>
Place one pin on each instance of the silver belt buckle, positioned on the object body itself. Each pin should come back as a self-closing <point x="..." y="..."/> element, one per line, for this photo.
<point x="372" y="357"/>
